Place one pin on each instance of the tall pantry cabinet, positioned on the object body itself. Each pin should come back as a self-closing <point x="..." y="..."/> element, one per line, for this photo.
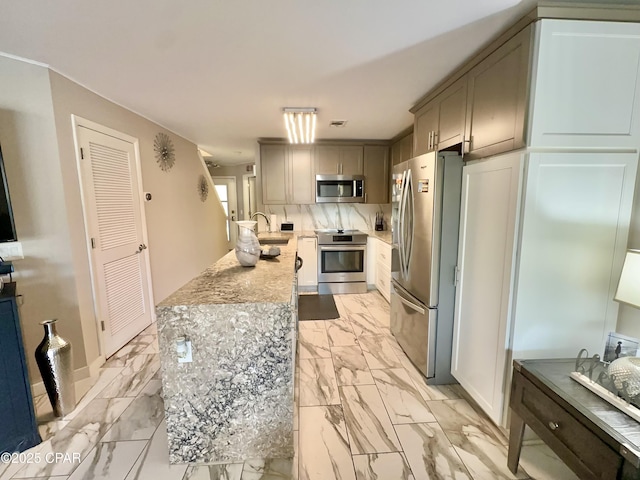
<point x="544" y="229"/>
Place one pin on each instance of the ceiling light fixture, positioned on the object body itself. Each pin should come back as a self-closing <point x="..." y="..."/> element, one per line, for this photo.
<point x="300" y="124"/>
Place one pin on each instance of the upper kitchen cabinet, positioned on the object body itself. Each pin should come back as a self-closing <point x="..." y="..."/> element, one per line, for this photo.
<point x="287" y="175"/>
<point x="425" y="128"/>
<point x="440" y="123"/>
<point x="339" y="160"/>
<point x="273" y="169"/>
<point x="497" y="98"/>
<point x="402" y="149"/>
<point x="586" y="85"/>
<point x="377" y="178"/>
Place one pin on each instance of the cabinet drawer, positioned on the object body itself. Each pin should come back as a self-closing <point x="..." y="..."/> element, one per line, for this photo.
<point x="383" y="280"/>
<point x="384" y="254"/>
<point x="586" y="451"/>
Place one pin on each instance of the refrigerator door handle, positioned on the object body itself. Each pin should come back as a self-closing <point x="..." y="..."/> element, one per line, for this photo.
<point x="409" y="242"/>
<point x="407" y="302"/>
<point x="401" y="227"/>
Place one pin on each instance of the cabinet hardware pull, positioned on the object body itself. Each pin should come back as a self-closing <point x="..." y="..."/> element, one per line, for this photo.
<point x="554" y="425"/>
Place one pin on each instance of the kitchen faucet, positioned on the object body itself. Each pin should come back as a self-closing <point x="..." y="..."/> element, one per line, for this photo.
<point x="265" y="217"/>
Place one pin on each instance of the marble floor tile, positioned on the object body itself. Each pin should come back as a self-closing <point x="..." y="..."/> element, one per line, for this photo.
<point x="133" y="377"/>
<point x="378" y="352"/>
<point x="354" y="304"/>
<point x="403" y="402"/>
<point x="8" y="470"/>
<point x="268" y="469"/>
<point x="44" y="411"/>
<point x="483" y="455"/>
<point x="323" y="445"/>
<point x="79" y="437"/>
<point x="49" y="429"/>
<point x="457" y="415"/>
<point x="140" y="420"/>
<point x="153" y="462"/>
<point x="369" y="427"/>
<point x="151" y="329"/>
<point x="340" y="333"/>
<point x="313" y="344"/>
<point x="312" y="325"/>
<point x="351" y="366"/>
<point x="540" y="463"/>
<point x="382" y="466"/>
<point x="362" y="325"/>
<point x="132" y="349"/>
<point x="152" y="348"/>
<point x="109" y="461"/>
<point x="429" y="452"/>
<point x="318" y="382"/>
<point x="228" y="471"/>
<point x="429" y="392"/>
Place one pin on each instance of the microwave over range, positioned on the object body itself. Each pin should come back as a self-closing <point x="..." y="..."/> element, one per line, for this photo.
<point x="340" y="189"/>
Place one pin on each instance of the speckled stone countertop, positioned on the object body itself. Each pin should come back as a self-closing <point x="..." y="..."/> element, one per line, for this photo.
<point x="227" y="282"/>
<point x="384" y="235"/>
<point x="234" y="400"/>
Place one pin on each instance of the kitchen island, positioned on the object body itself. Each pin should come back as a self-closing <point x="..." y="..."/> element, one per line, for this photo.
<point x="234" y="400"/>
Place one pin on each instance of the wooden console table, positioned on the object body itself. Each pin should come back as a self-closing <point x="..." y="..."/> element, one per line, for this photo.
<point x="592" y="437"/>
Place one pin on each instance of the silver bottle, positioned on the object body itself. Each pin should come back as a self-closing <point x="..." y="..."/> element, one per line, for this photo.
<point x="55" y="361"/>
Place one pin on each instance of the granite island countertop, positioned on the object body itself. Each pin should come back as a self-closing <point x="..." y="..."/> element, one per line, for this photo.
<point x="227" y="282"/>
<point x="234" y="400"/>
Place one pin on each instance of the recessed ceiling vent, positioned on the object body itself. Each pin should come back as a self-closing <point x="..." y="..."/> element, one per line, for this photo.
<point x="338" y="123"/>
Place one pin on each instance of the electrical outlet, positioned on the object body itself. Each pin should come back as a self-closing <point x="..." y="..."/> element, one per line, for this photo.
<point x="183" y="349"/>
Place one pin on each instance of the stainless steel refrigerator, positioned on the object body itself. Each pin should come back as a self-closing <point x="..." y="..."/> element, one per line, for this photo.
<point x="425" y="220"/>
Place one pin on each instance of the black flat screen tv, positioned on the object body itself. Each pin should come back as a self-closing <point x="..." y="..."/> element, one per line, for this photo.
<point x="7" y="227"/>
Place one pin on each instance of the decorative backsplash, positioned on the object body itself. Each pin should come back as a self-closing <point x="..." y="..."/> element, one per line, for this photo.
<point x="357" y="216"/>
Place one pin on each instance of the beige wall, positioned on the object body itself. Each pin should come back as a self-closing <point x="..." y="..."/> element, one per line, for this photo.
<point x="185" y="235"/>
<point x="45" y="278"/>
<point x="629" y="317"/>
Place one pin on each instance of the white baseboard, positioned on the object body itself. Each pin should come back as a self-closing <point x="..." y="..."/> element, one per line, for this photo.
<point x="78" y="374"/>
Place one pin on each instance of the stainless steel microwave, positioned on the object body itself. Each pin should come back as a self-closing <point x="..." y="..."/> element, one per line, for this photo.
<point x="339" y="188"/>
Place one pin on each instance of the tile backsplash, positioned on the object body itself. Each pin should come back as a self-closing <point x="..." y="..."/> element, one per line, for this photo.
<point x="357" y="216"/>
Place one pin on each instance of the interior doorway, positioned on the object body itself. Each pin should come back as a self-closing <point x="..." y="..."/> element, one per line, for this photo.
<point x="110" y="178"/>
<point x="226" y="188"/>
<point x="249" y="195"/>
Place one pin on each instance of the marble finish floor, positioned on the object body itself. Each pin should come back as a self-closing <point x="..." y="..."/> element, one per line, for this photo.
<point x="362" y="413"/>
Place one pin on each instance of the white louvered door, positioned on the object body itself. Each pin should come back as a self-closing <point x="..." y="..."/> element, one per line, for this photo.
<point x="114" y="223"/>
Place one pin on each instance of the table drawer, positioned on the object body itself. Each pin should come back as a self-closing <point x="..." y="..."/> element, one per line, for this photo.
<point x="554" y="424"/>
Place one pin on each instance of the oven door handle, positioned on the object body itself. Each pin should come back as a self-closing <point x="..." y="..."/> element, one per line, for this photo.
<point x="336" y="248"/>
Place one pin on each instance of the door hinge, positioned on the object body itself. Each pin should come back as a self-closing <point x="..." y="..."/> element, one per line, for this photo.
<point x="81" y="153"/>
<point x="102" y="325"/>
<point x="93" y="242"/>
<point x="456" y="276"/>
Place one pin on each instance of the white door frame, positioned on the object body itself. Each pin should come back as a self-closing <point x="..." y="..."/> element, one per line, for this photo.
<point x="245" y="195"/>
<point x="233" y="233"/>
<point x="83" y="122"/>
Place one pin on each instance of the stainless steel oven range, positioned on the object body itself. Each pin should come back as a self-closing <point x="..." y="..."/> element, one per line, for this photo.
<point x="342" y="260"/>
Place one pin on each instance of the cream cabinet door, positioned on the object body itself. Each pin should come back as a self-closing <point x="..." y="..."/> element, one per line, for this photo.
<point x="587" y="85"/>
<point x="327" y="160"/>
<point x="425" y="127"/>
<point x="453" y="106"/>
<point x="273" y="169"/>
<point x="351" y="160"/>
<point x="497" y="98"/>
<point x="308" y="273"/>
<point x="486" y="256"/>
<point x="301" y="178"/>
<point x="377" y="179"/>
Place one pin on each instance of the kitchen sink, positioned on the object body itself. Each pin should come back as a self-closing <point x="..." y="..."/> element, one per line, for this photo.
<point x="273" y="241"/>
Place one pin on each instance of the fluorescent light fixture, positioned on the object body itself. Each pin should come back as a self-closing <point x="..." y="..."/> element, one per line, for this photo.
<point x="300" y="124"/>
<point x="629" y="285"/>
